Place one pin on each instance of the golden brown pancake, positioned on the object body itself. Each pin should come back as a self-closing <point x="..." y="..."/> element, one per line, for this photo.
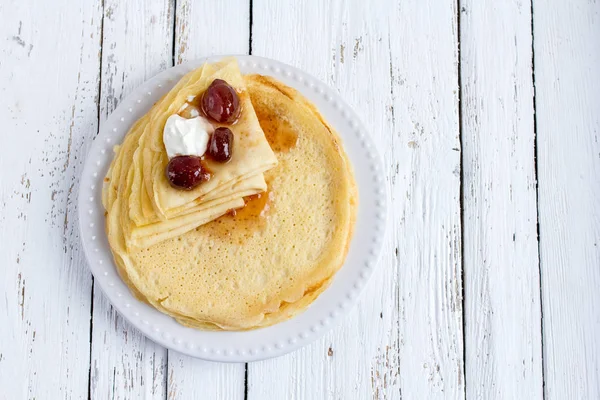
<point x="270" y="259"/>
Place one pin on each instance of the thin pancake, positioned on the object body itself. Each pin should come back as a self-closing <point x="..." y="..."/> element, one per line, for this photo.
<point x="276" y="255"/>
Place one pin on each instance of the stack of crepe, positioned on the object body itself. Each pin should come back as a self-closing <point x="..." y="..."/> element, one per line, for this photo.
<point x="155" y="211"/>
<point x="245" y="270"/>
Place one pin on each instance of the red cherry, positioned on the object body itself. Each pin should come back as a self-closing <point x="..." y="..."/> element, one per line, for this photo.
<point x="186" y="172"/>
<point x="220" y="102"/>
<point x="220" y="145"/>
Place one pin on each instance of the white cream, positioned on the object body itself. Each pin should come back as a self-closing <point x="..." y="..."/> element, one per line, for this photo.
<point x="186" y="137"/>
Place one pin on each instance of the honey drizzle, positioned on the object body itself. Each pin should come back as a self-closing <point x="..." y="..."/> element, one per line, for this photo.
<point x="257" y="206"/>
<point x="279" y="133"/>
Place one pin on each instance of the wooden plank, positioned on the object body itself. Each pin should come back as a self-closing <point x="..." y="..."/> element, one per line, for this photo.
<point x="567" y="61"/>
<point x="48" y="90"/>
<point x="502" y="290"/>
<point x="405" y="337"/>
<point x="137" y="44"/>
<point x="205" y="28"/>
<point x="425" y="88"/>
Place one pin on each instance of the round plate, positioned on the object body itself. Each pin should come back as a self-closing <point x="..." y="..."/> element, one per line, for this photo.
<point x="281" y="338"/>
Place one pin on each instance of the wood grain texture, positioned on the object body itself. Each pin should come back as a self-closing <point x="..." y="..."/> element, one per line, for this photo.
<point x="65" y="65"/>
<point x="405" y="337"/>
<point x="137" y="44"/>
<point x="567" y="61"/>
<point x="501" y="269"/>
<point x="205" y="28"/>
<point x="426" y="153"/>
<point x="49" y="57"/>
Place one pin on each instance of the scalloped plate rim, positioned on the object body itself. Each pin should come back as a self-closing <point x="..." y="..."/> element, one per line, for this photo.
<point x="279" y="339"/>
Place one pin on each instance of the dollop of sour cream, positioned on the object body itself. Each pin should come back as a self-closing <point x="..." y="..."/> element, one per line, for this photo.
<point x="186" y="137"/>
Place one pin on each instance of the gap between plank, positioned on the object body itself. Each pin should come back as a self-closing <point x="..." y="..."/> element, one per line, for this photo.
<point x="91" y="334"/>
<point x="537" y="200"/>
<point x="97" y="131"/>
<point x="251" y="21"/>
<point x="461" y="195"/>
<point x="246" y="381"/>
<point x="174" y="8"/>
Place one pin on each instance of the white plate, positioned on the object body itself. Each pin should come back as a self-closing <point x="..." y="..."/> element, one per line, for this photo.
<point x="281" y="338"/>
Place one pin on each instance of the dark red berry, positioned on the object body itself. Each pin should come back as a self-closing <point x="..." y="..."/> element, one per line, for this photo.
<point x="186" y="172"/>
<point x="220" y="102"/>
<point x="220" y="145"/>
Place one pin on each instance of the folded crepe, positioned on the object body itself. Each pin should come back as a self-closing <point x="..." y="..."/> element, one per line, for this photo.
<point x="251" y="157"/>
<point x="153" y="210"/>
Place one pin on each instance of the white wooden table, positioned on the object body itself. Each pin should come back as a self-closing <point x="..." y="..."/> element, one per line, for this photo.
<point x="488" y="116"/>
